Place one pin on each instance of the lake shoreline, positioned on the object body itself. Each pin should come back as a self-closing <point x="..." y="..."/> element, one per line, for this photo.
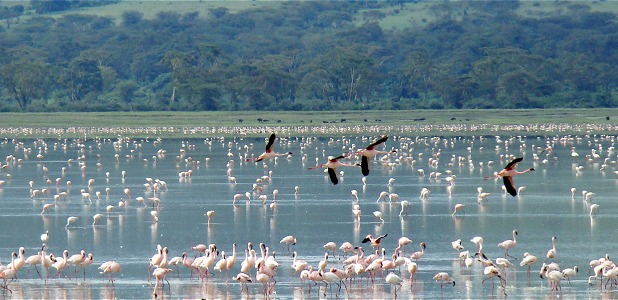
<point x="254" y="124"/>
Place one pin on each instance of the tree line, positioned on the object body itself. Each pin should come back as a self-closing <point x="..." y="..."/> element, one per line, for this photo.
<point x="310" y="55"/>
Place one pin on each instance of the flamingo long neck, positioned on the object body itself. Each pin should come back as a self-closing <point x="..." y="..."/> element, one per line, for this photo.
<point x="524" y="171"/>
<point x="361" y="256"/>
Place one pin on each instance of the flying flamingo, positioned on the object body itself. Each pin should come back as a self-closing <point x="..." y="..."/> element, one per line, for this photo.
<point x="370" y="152"/>
<point x="375" y="242"/>
<point x="269" y="153"/>
<point x="332" y="165"/>
<point x="507" y="175"/>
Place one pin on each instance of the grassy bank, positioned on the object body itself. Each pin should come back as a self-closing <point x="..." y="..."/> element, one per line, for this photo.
<point x="203" y="124"/>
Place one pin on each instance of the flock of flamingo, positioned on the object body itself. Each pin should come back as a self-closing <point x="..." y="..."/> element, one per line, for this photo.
<point x="370" y="261"/>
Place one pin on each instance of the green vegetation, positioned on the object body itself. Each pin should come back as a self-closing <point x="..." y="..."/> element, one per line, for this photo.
<point x="102" y="56"/>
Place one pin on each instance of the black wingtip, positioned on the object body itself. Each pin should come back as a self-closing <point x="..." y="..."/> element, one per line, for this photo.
<point x="365" y="166"/>
<point x="333" y="176"/>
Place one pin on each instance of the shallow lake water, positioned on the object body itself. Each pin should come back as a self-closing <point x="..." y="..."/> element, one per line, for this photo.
<point x="318" y="213"/>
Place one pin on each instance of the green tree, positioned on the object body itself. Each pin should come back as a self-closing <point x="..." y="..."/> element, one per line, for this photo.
<point x="82" y="76"/>
<point x="25" y="80"/>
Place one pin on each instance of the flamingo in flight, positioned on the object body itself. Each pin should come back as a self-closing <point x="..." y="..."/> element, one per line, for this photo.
<point x="375" y="242"/>
<point x="370" y="152"/>
<point x="332" y="164"/>
<point x="269" y="153"/>
<point x="507" y="175"/>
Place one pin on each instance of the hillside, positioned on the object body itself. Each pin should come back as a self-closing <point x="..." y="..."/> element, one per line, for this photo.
<point x="307" y="55"/>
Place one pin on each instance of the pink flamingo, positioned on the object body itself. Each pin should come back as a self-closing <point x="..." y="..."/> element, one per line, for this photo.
<point x="370" y="152"/>
<point x="332" y="165"/>
<point x="269" y="153"/>
<point x="507" y="175"/>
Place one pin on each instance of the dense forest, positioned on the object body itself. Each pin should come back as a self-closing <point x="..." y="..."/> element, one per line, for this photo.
<point x="306" y="55"/>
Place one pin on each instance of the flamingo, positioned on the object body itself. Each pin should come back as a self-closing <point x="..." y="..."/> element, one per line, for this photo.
<point x="551" y="253"/>
<point x="45" y="236"/>
<point x="47" y="261"/>
<point x="34" y="260"/>
<point x="287" y="241"/>
<point x="594" y="209"/>
<point x="418" y="254"/>
<point x="332" y="165"/>
<point x="391" y="279"/>
<point x="96" y="218"/>
<point x="509" y="244"/>
<point x="346" y="247"/>
<point x="554" y="277"/>
<point x="458" y="207"/>
<point x="209" y="215"/>
<point x="370" y="152"/>
<point x="528" y="260"/>
<point x="457" y="245"/>
<point x="160" y="274"/>
<point x="221" y="265"/>
<point x="403" y="241"/>
<point x="87" y="262"/>
<point x="443" y="278"/>
<point x="269" y="153"/>
<point x="61" y="263"/>
<point x="491" y="271"/>
<point x="9" y="273"/>
<point x="570" y="272"/>
<point x="405" y="205"/>
<point x="70" y="220"/>
<point x="330" y="246"/>
<point x="76" y="259"/>
<point x="243" y="278"/>
<point x="375" y="242"/>
<point x="110" y="267"/>
<point x="298" y="265"/>
<point x="507" y="175"/>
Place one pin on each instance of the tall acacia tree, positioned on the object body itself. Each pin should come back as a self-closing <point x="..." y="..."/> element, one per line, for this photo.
<point x="24" y="74"/>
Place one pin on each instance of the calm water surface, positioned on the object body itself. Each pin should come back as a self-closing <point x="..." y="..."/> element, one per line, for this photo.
<point x="319" y="213"/>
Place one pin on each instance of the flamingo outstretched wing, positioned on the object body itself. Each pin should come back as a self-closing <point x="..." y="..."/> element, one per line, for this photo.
<point x="513" y="163"/>
<point x="332" y="173"/>
<point x="381" y="237"/>
<point x="508" y="184"/>
<point x="365" y="165"/>
<point x="271" y="143"/>
<point x="377" y="142"/>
